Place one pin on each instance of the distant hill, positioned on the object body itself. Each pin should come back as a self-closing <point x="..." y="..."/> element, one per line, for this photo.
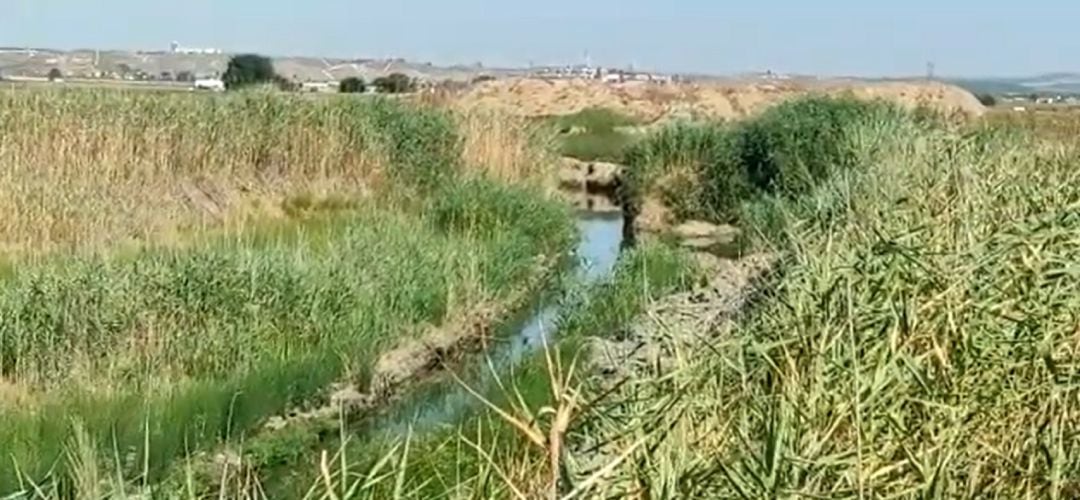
<point x="86" y="63"/>
<point x="1049" y="83"/>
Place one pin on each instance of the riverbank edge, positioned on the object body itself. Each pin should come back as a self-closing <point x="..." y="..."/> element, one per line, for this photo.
<point x="396" y="373"/>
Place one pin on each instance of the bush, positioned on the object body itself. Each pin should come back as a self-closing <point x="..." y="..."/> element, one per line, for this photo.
<point x="55" y="74"/>
<point x="250" y="69"/>
<point x="422" y="143"/>
<point x="987" y="99"/>
<point x="785" y="151"/>
<point x="486" y="208"/>
<point x="482" y="79"/>
<point x="395" y="83"/>
<point x="352" y="85"/>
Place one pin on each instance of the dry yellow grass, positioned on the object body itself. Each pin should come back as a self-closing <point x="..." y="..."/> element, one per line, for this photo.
<point x="88" y="169"/>
<point x="505" y="147"/>
<point x="79" y="169"/>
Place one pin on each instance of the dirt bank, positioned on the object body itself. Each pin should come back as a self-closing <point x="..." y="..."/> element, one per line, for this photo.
<point x="725" y="100"/>
<point x="671" y="330"/>
<point x="414" y="360"/>
<point x="682" y="321"/>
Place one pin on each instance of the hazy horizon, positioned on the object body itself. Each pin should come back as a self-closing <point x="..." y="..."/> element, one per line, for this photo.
<point x="829" y="38"/>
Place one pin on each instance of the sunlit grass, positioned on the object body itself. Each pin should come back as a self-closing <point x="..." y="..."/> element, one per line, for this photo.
<point x="116" y="362"/>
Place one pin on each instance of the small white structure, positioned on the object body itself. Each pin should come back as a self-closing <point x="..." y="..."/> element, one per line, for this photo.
<point x="318" y="86"/>
<point x="211" y="84"/>
<point x="613" y="78"/>
<point x="175" y="48"/>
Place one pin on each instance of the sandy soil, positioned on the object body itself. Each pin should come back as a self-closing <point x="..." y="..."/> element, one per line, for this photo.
<point x="726" y="100"/>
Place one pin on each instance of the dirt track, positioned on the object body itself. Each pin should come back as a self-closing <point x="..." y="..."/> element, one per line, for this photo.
<point x="652" y="102"/>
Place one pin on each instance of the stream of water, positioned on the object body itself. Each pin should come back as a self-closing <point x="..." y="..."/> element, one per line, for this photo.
<point x="601" y="238"/>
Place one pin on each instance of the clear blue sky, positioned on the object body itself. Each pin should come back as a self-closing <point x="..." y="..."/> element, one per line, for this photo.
<point x="833" y="37"/>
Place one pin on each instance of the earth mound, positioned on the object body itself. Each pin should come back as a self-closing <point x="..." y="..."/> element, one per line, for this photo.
<point x="723" y="100"/>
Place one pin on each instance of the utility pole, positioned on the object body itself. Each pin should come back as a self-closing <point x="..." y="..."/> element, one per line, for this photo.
<point x="930" y="70"/>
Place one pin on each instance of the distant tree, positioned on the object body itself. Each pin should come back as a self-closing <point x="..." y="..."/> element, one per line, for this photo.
<point x="394" y="83"/>
<point x="352" y="85"/>
<point x="166" y="76"/>
<point x="285" y="84"/>
<point x="482" y="79"/>
<point x="987" y="99"/>
<point x="185" y="76"/>
<point x="249" y="69"/>
<point x="55" y="74"/>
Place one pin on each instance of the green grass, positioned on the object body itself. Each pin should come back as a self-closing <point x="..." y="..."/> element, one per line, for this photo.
<point x="596" y="119"/>
<point x="918" y="342"/>
<point x="202" y="344"/>
<point x="440" y="461"/>
<point x="594" y="134"/>
<point x="168" y="350"/>
<point x="710" y="170"/>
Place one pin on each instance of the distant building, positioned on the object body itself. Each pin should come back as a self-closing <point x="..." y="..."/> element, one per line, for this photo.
<point x="175" y="48"/>
<point x="318" y="86"/>
<point x="211" y="84"/>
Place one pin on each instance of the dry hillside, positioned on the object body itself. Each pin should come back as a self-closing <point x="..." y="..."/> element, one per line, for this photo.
<point x="536" y="97"/>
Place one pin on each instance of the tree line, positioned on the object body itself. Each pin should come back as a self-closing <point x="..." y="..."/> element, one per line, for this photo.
<point x="248" y="70"/>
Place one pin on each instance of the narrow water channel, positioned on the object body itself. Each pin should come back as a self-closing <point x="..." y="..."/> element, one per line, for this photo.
<point x="601" y="238"/>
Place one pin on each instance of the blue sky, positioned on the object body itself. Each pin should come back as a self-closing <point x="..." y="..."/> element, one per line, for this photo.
<point x="830" y="37"/>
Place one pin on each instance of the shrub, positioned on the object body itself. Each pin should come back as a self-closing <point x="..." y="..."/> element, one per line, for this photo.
<point x="395" y="83"/>
<point x="352" y="85"/>
<point x="249" y="69"/>
<point x="987" y="99"/>
<point x="482" y="79"/>
<point x="785" y="151"/>
<point x="486" y="208"/>
<point x="55" y="74"/>
<point x="691" y="168"/>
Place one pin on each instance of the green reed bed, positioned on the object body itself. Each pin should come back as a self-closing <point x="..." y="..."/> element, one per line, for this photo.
<point x="709" y="170"/>
<point x="919" y="340"/>
<point x="176" y="349"/>
<point x="122" y="362"/>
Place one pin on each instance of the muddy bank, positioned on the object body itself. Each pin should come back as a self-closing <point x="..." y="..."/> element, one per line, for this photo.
<point x="594" y="177"/>
<point x="414" y="360"/>
<point x="659" y="341"/>
<point x="682" y="320"/>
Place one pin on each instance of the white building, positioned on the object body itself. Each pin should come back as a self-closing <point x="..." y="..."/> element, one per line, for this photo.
<point x="175" y="48"/>
<point x="211" y="84"/>
<point x="613" y="78"/>
<point x="319" y="86"/>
